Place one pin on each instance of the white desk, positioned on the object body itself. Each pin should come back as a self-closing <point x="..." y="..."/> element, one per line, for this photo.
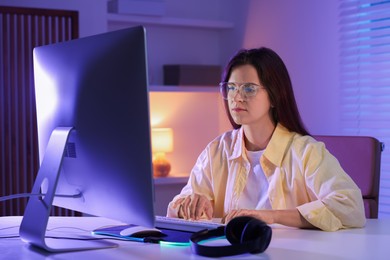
<point x="371" y="242"/>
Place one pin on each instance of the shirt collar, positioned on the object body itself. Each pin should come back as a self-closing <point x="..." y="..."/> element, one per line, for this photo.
<point x="238" y="147"/>
<point x="275" y="150"/>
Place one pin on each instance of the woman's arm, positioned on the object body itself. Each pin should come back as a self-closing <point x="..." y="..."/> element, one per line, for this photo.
<point x="287" y="217"/>
<point x="195" y="199"/>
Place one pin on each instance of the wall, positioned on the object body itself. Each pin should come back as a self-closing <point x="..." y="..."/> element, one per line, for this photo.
<point x="304" y="34"/>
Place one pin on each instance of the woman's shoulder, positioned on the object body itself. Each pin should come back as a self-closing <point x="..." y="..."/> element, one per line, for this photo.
<point x="226" y="140"/>
<point x="227" y="136"/>
<point x="307" y="144"/>
<point x="283" y="138"/>
<point x="221" y="147"/>
<point x="304" y="139"/>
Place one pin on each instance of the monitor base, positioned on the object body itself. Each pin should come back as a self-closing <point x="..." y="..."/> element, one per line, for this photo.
<point x="36" y="216"/>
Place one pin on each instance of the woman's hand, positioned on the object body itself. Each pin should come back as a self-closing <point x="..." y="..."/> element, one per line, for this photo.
<point x="194" y="207"/>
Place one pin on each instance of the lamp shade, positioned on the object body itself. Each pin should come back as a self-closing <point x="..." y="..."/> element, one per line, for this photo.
<point x="162" y="140"/>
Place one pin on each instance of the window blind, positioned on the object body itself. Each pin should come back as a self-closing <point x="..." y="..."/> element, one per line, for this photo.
<point x="365" y="79"/>
<point x="22" y="29"/>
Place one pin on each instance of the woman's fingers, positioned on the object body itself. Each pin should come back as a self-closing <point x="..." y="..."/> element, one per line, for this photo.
<point x="194" y="206"/>
<point x="203" y="207"/>
<point x="232" y="214"/>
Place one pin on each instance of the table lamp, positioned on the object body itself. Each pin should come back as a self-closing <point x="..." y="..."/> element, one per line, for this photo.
<point x="162" y="142"/>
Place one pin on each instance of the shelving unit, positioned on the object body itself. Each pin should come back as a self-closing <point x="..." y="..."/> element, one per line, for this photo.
<point x="173" y="40"/>
<point x="163" y="88"/>
<point x="168" y="21"/>
<point x="165" y="189"/>
<point x="171" y="180"/>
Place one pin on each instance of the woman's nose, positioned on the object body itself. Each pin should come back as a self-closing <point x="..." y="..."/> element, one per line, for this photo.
<point x="238" y="96"/>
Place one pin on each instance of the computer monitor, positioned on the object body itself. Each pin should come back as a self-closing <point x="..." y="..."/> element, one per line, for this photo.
<point x="93" y="133"/>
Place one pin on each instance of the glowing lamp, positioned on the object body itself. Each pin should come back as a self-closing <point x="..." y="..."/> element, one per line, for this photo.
<point x="162" y="142"/>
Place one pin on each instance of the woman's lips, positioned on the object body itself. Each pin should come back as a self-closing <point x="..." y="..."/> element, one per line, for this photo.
<point x="238" y="109"/>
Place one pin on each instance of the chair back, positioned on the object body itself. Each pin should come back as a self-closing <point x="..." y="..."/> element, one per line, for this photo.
<point x="360" y="157"/>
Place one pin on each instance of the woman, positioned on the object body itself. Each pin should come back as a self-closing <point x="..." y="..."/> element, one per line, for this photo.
<point x="268" y="167"/>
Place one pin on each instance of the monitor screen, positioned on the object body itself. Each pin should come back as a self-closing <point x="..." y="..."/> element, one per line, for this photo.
<point x="98" y="87"/>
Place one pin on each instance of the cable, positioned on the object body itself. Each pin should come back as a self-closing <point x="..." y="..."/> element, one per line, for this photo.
<point x="15" y="236"/>
<point x="9" y="236"/>
<point x="24" y="195"/>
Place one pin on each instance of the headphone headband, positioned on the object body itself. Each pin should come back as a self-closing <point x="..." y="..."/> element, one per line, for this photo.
<point x="246" y="235"/>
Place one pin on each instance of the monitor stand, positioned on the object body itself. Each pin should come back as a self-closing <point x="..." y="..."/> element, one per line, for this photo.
<point x="36" y="215"/>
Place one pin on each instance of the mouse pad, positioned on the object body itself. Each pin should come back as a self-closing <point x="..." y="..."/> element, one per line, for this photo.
<point x="169" y="235"/>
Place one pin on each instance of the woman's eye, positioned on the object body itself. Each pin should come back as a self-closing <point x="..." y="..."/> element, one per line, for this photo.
<point x="230" y="88"/>
<point x="249" y="89"/>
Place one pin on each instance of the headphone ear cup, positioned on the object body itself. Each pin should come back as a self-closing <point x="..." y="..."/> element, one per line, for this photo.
<point x="249" y="230"/>
<point x="263" y="233"/>
<point x="234" y="229"/>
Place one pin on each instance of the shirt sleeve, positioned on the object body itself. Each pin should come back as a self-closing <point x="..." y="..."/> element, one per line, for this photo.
<point x="337" y="201"/>
<point x="199" y="182"/>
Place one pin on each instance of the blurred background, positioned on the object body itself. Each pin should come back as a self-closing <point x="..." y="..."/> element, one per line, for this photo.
<point x="337" y="53"/>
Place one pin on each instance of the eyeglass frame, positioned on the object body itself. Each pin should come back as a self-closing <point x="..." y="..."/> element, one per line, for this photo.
<point x="238" y="89"/>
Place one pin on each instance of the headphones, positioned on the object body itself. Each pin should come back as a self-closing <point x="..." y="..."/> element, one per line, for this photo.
<point x="245" y="234"/>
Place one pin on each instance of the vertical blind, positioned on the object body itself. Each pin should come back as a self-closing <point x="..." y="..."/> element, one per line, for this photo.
<point x="365" y="79"/>
<point x="22" y="29"/>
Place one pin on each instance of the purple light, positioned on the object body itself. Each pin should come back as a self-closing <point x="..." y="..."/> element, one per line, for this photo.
<point x="46" y="93"/>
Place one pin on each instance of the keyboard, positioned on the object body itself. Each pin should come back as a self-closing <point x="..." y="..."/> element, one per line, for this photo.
<point x="186" y="225"/>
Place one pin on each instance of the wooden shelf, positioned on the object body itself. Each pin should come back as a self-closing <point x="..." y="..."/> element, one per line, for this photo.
<point x="163" y="88"/>
<point x="171" y="180"/>
<point x="168" y="21"/>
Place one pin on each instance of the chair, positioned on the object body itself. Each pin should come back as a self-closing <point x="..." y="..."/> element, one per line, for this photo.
<point x="360" y="157"/>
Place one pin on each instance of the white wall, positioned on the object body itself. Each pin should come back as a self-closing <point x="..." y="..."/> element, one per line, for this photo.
<point x="304" y="34"/>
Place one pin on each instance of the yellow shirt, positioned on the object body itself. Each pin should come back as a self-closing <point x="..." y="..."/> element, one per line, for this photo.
<point x="300" y="171"/>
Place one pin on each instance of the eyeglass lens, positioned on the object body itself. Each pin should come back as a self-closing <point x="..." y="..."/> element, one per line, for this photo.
<point x="229" y="90"/>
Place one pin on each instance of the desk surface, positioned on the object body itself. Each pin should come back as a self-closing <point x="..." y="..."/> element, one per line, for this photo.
<point x="371" y="242"/>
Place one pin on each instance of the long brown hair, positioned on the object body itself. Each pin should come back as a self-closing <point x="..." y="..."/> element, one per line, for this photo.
<point x="273" y="75"/>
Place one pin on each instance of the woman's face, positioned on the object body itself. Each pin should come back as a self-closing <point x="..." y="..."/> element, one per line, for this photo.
<point x="252" y="110"/>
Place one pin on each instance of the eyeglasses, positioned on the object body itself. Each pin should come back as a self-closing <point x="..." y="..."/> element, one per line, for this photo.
<point x="229" y="90"/>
